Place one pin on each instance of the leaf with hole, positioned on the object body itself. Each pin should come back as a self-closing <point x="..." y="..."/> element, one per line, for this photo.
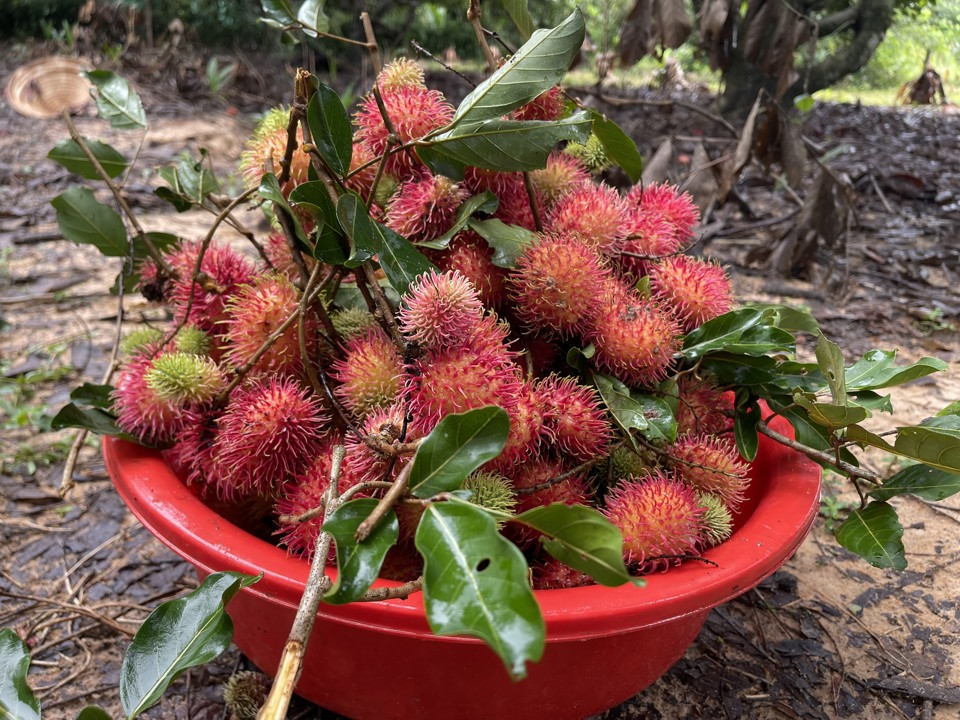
<point x="178" y="635"/>
<point x="358" y="564"/>
<point x="475" y="583"/>
<point x="830" y="361"/>
<point x="69" y="154"/>
<point x="875" y="534"/>
<point x="923" y="481"/>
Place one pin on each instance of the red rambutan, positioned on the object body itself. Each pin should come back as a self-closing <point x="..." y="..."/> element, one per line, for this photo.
<point x="666" y="201"/>
<point x="554" y="285"/>
<point x="635" y="339"/>
<point x="526" y="426"/>
<point x="382" y="426"/>
<point x="425" y="208"/>
<point x="191" y="456"/>
<point x="571" y="490"/>
<point x="140" y="411"/>
<point x="695" y="290"/>
<point x="368" y="373"/>
<point x="511" y="191"/>
<point x="701" y="406"/>
<point x="711" y="464"/>
<point x="471" y="256"/>
<point x="594" y="213"/>
<point x="649" y="237"/>
<point x="660" y="518"/>
<point x="573" y="417"/>
<point x="266" y="148"/>
<point x="548" y="105"/>
<point x="440" y="310"/>
<point x="551" y="574"/>
<point x="562" y="174"/>
<point x="269" y="431"/>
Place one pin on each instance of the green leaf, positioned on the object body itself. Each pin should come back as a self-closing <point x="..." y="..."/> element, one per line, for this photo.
<point x="486" y="203"/>
<point x="330" y="128"/>
<point x="17" y="701"/>
<point x="876" y="370"/>
<point x="475" y="583"/>
<point x="179" y="202"/>
<point x="358" y="564"/>
<point x="312" y="17"/>
<point x="650" y="416"/>
<point x="84" y="220"/>
<point x="830" y="415"/>
<point x="931" y="443"/>
<point x="92" y="712"/>
<point x="277" y="13"/>
<point x="921" y="480"/>
<point x="508" y="241"/>
<point x="117" y="101"/>
<point x="458" y="445"/>
<point x="314" y="197"/>
<point x="68" y="153"/>
<point x="582" y="538"/>
<point x="270" y="189"/>
<point x="875" y="534"/>
<point x="520" y="14"/>
<point x="507" y="145"/>
<point x="746" y="331"/>
<point x="745" y="430"/>
<point x="93" y="395"/>
<point x="830" y="361"/>
<point x="178" y="635"/>
<point x="618" y="146"/>
<point x="359" y="228"/>
<point x="790" y="318"/>
<point x="741" y="370"/>
<point x="804" y="103"/>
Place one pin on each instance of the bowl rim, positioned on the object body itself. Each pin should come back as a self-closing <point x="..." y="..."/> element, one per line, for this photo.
<point x="766" y="538"/>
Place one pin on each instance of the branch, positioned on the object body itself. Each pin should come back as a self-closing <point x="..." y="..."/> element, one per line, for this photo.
<point x="389" y="499"/>
<point x="818" y="455"/>
<point x="371" y="42"/>
<point x="475" y="15"/>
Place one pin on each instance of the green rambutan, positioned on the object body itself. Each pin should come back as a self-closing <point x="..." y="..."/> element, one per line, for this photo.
<point x="695" y="290"/>
<point x="635" y="339"/>
<point x="254" y="313"/>
<point x="574" y="417"/>
<point x="590" y="153"/>
<point x="491" y="490"/>
<point x="139" y="338"/>
<point x="424" y="208"/>
<point x="594" y="213"/>
<point x="193" y="340"/>
<point x="352" y="322"/>
<point x="400" y="73"/>
<point x="554" y="285"/>
<point x="184" y="379"/>
<point x="368" y="373"/>
<point x="717" y="519"/>
<point x="140" y="411"/>
<point x="711" y="464"/>
<point x="660" y="518"/>
<point x="270" y="430"/>
<point x="440" y="310"/>
<point x="625" y="462"/>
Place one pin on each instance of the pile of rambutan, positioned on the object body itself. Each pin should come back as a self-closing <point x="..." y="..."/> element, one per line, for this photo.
<point x="272" y="360"/>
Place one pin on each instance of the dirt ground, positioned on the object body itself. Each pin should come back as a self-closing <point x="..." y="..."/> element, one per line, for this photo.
<point x="826" y="637"/>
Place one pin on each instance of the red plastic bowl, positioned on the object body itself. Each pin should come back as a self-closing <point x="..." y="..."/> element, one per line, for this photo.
<point x="379" y="660"/>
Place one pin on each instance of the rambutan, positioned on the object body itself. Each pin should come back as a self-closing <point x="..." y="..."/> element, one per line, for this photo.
<point x="270" y="430"/>
<point x="277" y="249"/>
<point x="526" y="429"/>
<point x="594" y="213"/>
<point x="551" y="574"/>
<point x="400" y="73"/>
<point x="717" y="519"/>
<point x="193" y="340"/>
<point x="414" y="111"/>
<point x="265" y="150"/>
<point x="440" y="310"/>
<point x="666" y="201"/>
<point x="571" y="489"/>
<point x="591" y="154"/>
<point x="548" y="105"/>
<point x="554" y="285"/>
<point x="403" y="562"/>
<point x="184" y="379"/>
<point x="625" y="462"/>
<point x="191" y="456"/>
<point x="694" y="289"/>
<point x="491" y="490"/>
<point x="711" y="464"/>
<point x="139" y="338"/>
<point x="562" y="174"/>
<point x="471" y="256"/>
<point x="254" y="313"/>
<point x="362" y="182"/>
<point x="425" y="208"/>
<point x="245" y="693"/>
<point x="635" y="338"/>
<point x="700" y="406"/>
<point x="649" y="237"/>
<point x="352" y="322"/>
<point x="369" y="373"/>
<point x="381" y="427"/>
<point x="511" y="191"/>
<point x="660" y="518"/>
<point x="574" y="417"/>
<point x="140" y="411"/>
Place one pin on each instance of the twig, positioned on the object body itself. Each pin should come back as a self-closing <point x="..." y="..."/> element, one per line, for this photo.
<point x="423" y="51"/>
<point x="78" y="609"/>
<point x="534" y="205"/>
<point x="818" y="455"/>
<point x="620" y="102"/>
<point x="880" y="194"/>
<point x="475" y="16"/>
<point x="389" y="499"/>
<point x="371" y="42"/>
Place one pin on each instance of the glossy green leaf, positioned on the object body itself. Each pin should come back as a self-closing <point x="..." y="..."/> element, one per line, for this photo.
<point x="874" y="402"/>
<point x="934" y="443"/>
<point x="117" y="101"/>
<point x="520" y="14"/>
<point x="92" y="712"/>
<point x="745" y="431"/>
<point x="270" y="189"/>
<point x="358" y="564"/>
<point x="582" y="538"/>
<point x="85" y="220"/>
<point x="485" y="203"/>
<point x="951" y="409"/>
<point x="17" y="701"/>
<point x="875" y="534"/>
<point x="507" y="145"/>
<point x="807" y="431"/>
<point x="168" y="194"/>
<point x="508" y="241"/>
<point x="359" y="227"/>
<point x="314" y="197"/>
<point x="741" y="370"/>
<point x="277" y="13"/>
<point x="746" y="331"/>
<point x="457" y="446"/>
<point x="178" y="635"/>
<point x="830" y="415"/>
<point x="538" y="65"/>
<point x="330" y="129"/>
<point x="830" y="361"/>
<point x="190" y="182"/>
<point x="312" y="17"/>
<point x="94" y="419"/>
<point x="804" y="103"/>
<point x="93" y="395"/>
<point x="618" y="146"/>
<point x="648" y="415"/>
<point x="68" y="153"/>
<point x="921" y="480"/>
<point x="876" y="370"/>
<point x="790" y="318"/>
<point x="475" y="583"/>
